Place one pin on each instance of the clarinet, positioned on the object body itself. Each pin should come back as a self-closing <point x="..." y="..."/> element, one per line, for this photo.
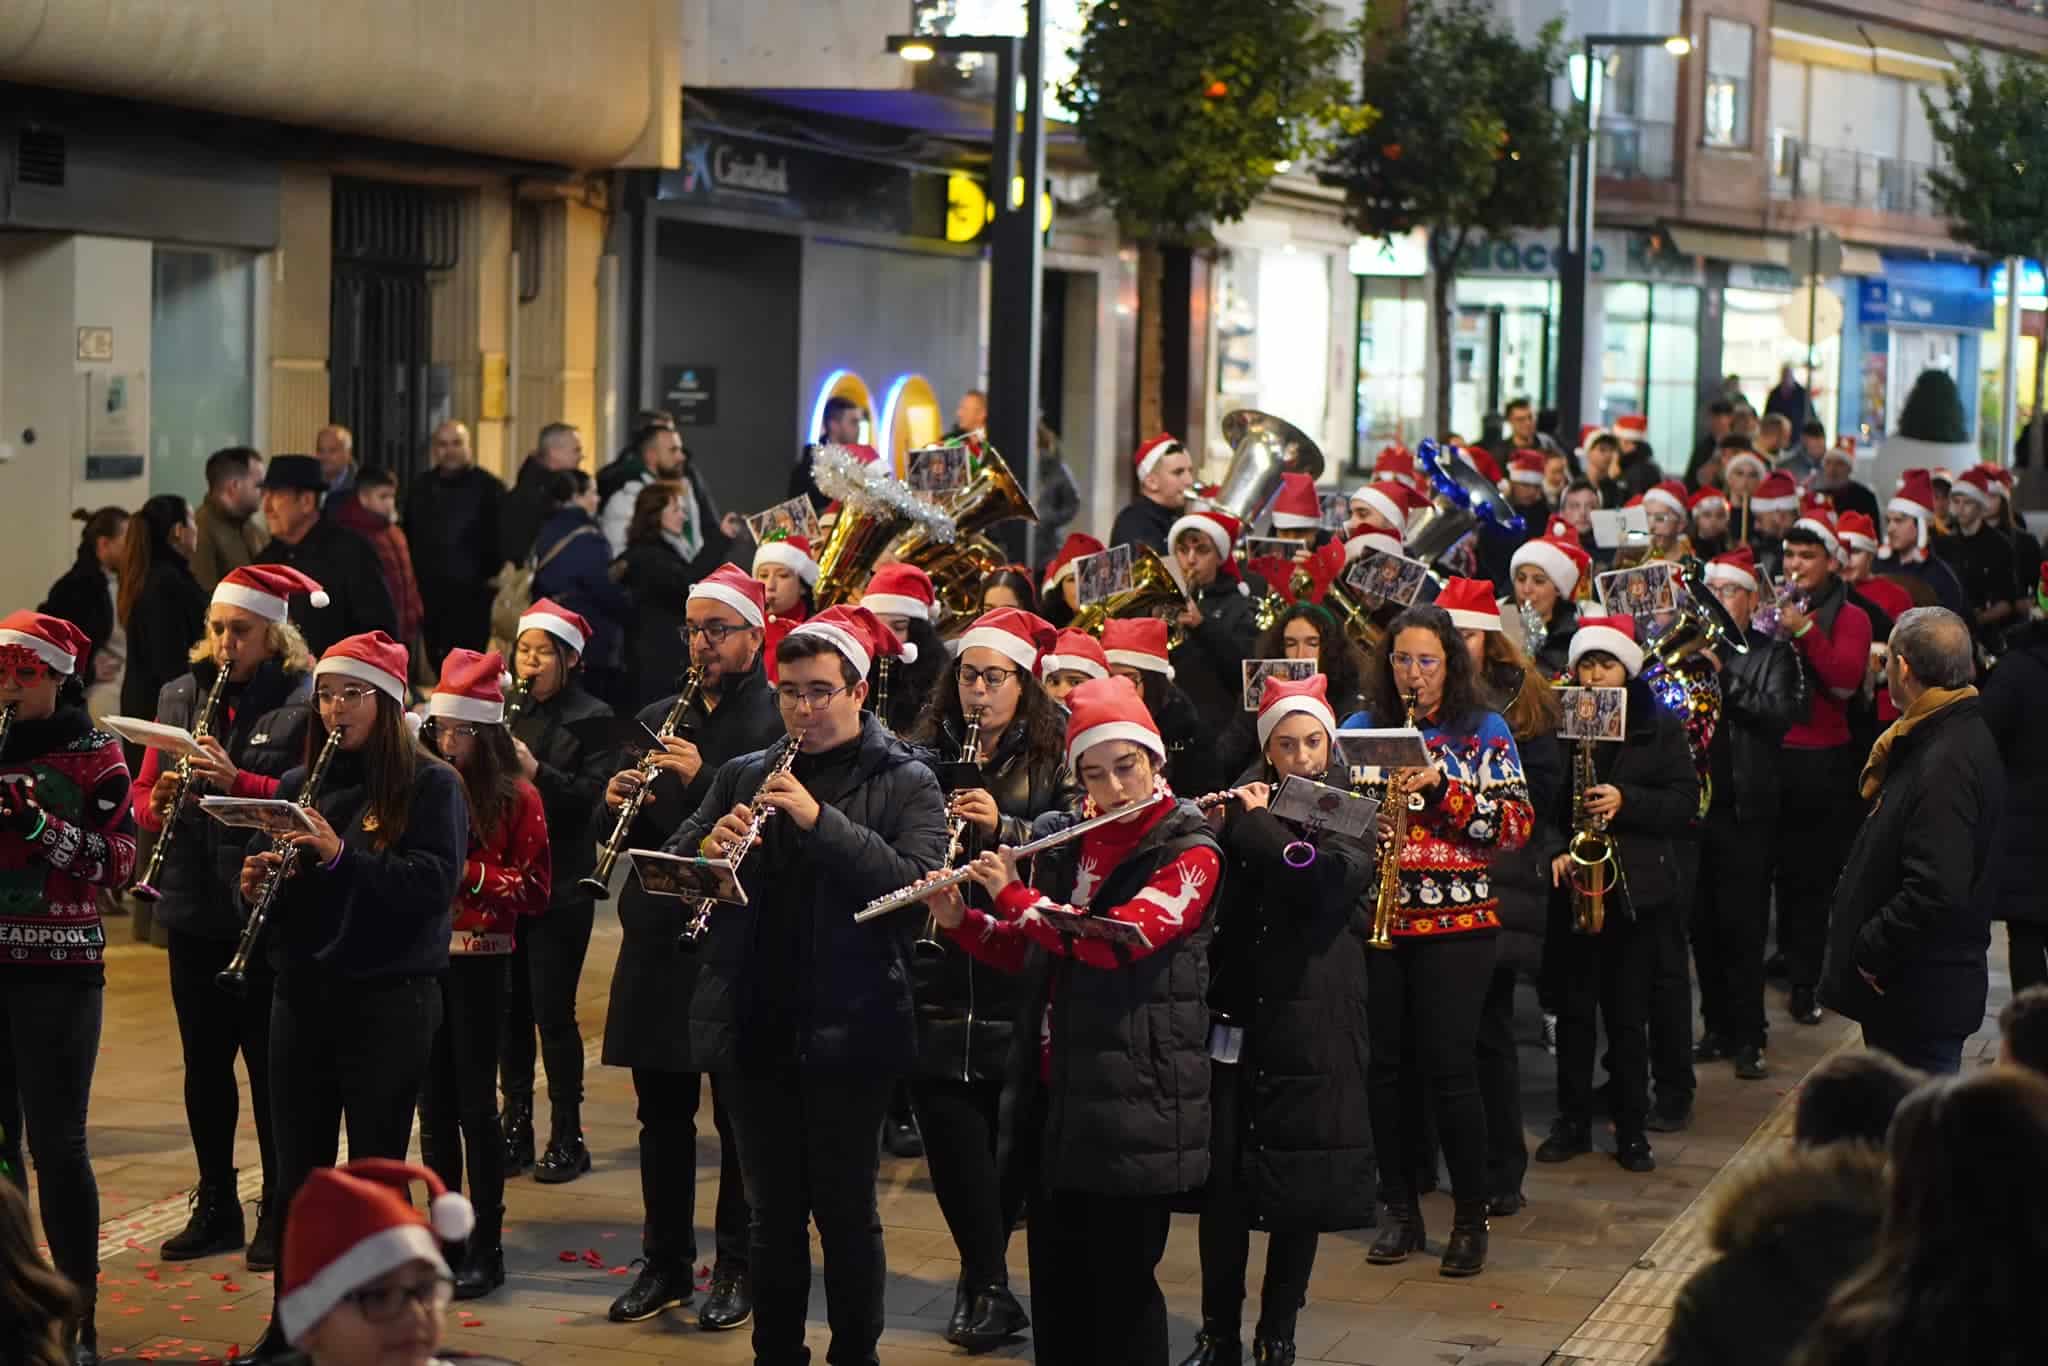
<point x="598" y="884"/>
<point x="699" y="923"/>
<point x="928" y="945"/>
<point x="234" y="978"/>
<point x="145" y="882"/>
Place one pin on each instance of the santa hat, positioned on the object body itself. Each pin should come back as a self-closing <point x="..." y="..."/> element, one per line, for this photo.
<point x="1077" y="545"/>
<point x="858" y="634"/>
<point x="1631" y="426"/>
<point x="1777" y="493"/>
<point x="1374" y="539"/>
<point x="1525" y="467"/>
<point x="1706" y="496"/>
<point x="1285" y="697"/>
<point x="373" y="658"/>
<point x="900" y="590"/>
<point x="1136" y="643"/>
<point x="1076" y="651"/>
<point x="1586" y="435"/>
<point x="1977" y="484"/>
<point x="1011" y="632"/>
<point x="1669" y="494"/>
<point x="1149" y="454"/>
<point x="1857" y="531"/>
<point x="1221" y="529"/>
<point x="1731" y="460"/>
<point x="1396" y="464"/>
<point x="469" y="689"/>
<point x="1915" y="499"/>
<point x="1480" y="460"/>
<point x="1470" y="603"/>
<point x="737" y="589"/>
<point x="1738" y="567"/>
<point x="1558" y="554"/>
<point x="558" y="621"/>
<point x="1297" y="507"/>
<point x="350" y="1225"/>
<point x="792" y="553"/>
<point x="1609" y="635"/>
<point x="265" y="588"/>
<point x="1105" y="709"/>
<point x="1817" y="516"/>
<point x="53" y="640"/>
<point x="1390" y="502"/>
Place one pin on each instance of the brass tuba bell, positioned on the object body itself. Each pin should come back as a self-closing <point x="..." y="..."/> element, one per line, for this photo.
<point x="958" y="566"/>
<point x="1262" y="448"/>
<point x="874" y="509"/>
<point x="1154" y="586"/>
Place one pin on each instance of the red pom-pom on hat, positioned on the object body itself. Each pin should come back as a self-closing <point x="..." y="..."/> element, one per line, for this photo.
<point x="265" y="589"/>
<point x="859" y="635"/>
<point x="900" y="590"/>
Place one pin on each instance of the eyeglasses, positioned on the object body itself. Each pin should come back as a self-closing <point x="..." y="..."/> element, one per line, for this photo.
<point x="349" y="696"/>
<point x="806" y="699"/>
<point x="461" y="728"/>
<point x="992" y="679"/>
<point x="1428" y="664"/>
<point x="383" y="1303"/>
<point x="714" y="632"/>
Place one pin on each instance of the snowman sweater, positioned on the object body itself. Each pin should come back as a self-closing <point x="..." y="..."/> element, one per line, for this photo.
<point x="50" y="876"/>
<point x="1481" y="808"/>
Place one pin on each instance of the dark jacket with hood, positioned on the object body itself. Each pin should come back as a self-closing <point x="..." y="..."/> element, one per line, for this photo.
<point x="657" y="580"/>
<point x="2011" y="699"/>
<point x="1660" y="796"/>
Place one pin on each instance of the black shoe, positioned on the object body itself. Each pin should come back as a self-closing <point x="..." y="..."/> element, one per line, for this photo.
<point x="1632" y="1151"/>
<point x="657" y="1288"/>
<point x="481" y="1272"/>
<point x="1670" y="1114"/>
<point x="270" y="1348"/>
<point x="1775" y="966"/>
<point x="1401" y="1232"/>
<point x="1272" y="1351"/>
<point x="215" y="1226"/>
<point x="1750" y="1064"/>
<point x="1568" y="1139"/>
<point x="566" y="1157"/>
<point x="963" y="1311"/>
<point x="729" y="1303"/>
<point x="1215" y="1347"/>
<point x="996" y="1320"/>
<point x="1711" y="1048"/>
<point x="1503" y="1206"/>
<point x="1805" y="1009"/>
<point x="901" y="1138"/>
<point x="263" y="1242"/>
<point x="1465" y="1251"/>
<point x="516" y="1124"/>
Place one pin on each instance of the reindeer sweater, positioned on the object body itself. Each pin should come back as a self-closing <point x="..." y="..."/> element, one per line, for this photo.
<point x="49" y="884"/>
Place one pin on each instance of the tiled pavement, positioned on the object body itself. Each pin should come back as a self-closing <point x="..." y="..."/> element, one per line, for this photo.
<point x="1583" y="1273"/>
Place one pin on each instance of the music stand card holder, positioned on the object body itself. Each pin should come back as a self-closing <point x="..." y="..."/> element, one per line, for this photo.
<point x="792" y="516"/>
<point x="1318" y="807"/>
<point x="1594" y="713"/>
<point x="1387" y="578"/>
<point x="1255" y="672"/>
<point x="1372" y="753"/>
<point x="1102" y="575"/>
<point x="664" y="874"/>
<point x="1081" y="925"/>
<point x="272" y="815"/>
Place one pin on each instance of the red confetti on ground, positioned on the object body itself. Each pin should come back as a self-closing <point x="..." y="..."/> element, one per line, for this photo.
<point x="132" y="1245"/>
<point x="620" y="1270"/>
<point x="184" y="1285"/>
<point x="136" y="1310"/>
<point x="591" y="1256"/>
<point x="186" y="1318"/>
<point x="1496" y="1304"/>
<point x="567" y="1257"/>
<point x="231" y="1288"/>
<point x="153" y="1275"/>
<point x="564" y="1319"/>
<point x="472" y="1323"/>
<point x="220" y="1275"/>
<point x="234" y="1350"/>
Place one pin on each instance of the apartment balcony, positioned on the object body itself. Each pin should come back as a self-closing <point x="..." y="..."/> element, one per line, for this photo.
<point x="1841" y="176"/>
<point x="1636" y="149"/>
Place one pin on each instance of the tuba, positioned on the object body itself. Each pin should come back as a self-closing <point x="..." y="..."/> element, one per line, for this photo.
<point x="1460" y="498"/>
<point x="1702" y="623"/>
<point x="1154" y="586"/>
<point x="874" y="509"/>
<point x="1262" y="448"/>
<point x="958" y="563"/>
<point x="1595" y="871"/>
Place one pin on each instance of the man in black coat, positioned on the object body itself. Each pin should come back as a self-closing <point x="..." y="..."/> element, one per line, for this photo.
<point x="341" y="562"/>
<point x="1165" y="474"/>
<point x="2013" y="696"/>
<point x="527" y="506"/>
<point x="451" y="520"/>
<point x="1909" y="930"/>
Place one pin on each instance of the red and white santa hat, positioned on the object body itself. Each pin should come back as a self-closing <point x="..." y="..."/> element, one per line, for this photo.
<point x="470" y="689"/>
<point x="1221" y="529"/>
<point x="1915" y="499"/>
<point x="1105" y="709"/>
<point x="1470" y="603"/>
<point x="1858" y="532"/>
<point x="1478" y="458"/>
<point x="350" y="1225"/>
<point x="1077" y="545"/>
<point x="1738" y="567"/>
<point x="737" y="589"/>
<point x="1558" y="554"/>
<point x="558" y="621"/>
<point x="1609" y="635"/>
<point x="1396" y="464"/>
<point x="1285" y="697"/>
<point x="1137" y="643"/>
<point x="1669" y="494"/>
<point x="373" y="658"/>
<point x="1977" y="483"/>
<point x="1011" y="632"/>
<point x="1074" y="651"/>
<point x="1706" y="496"/>
<point x="1363" y="538"/>
<point x="53" y="640"/>
<point x="900" y="590"/>
<point x="858" y="634"/>
<point x="1818" y="517"/>
<point x="1390" y="502"/>
<point x="792" y="553"/>
<point x="1734" y="458"/>
<point x="1150" y="453"/>
<point x="1586" y="435"/>
<point x="265" y="589"/>
<point x="1525" y="466"/>
<point x="1631" y="426"/>
<point x="1777" y="493"/>
<point x="1297" y="507"/>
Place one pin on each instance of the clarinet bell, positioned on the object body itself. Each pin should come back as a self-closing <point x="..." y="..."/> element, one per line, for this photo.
<point x="598" y="888"/>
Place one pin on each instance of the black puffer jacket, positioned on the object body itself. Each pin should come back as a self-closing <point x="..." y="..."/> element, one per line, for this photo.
<point x="1660" y="796"/>
<point x="2012" y="697"/>
<point x="1763" y="692"/>
<point x="571" y="780"/>
<point x="262" y="726"/>
<point x="1207" y="666"/>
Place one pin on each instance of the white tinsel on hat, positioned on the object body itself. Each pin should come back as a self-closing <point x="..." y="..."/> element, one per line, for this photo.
<point x="845" y="476"/>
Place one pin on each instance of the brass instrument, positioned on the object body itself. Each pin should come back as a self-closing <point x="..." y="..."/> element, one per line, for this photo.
<point x="874" y="509"/>
<point x="598" y="884"/>
<point x="1388" y="898"/>
<point x="957" y="564"/>
<point x="1262" y="449"/>
<point x="1355" y="617"/>
<point x="699" y="923"/>
<point x="145" y="881"/>
<point x="928" y="944"/>
<point x="1153" y="586"/>
<point x="1595" y="871"/>
<point x="234" y="978"/>
<point x="517" y="697"/>
<point x="1702" y="623"/>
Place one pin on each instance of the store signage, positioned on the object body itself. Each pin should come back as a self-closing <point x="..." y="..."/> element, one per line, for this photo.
<point x="734" y="171"/>
<point x="691" y="393"/>
<point x="1880" y="303"/>
<point x="1615" y="256"/>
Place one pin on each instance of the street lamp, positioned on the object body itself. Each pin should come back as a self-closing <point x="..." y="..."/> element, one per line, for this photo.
<point x="1576" y="266"/>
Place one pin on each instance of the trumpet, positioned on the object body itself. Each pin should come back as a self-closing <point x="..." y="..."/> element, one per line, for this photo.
<point x="699" y="923"/>
<point x="928" y="944"/>
<point x="1388" y="896"/>
<point x="145" y="882"/>
<point x="234" y="978"/>
<point x="599" y="883"/>
<point x="1595" y="871"/>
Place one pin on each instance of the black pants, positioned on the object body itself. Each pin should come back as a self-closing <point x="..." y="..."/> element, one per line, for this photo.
<point x="668" y="1170"/>
<point x="1608" y="972"/>
<point x="1500" y="1082"/>
<point x="1817" y="818"/>
<point x="1427" y="996"/>
<point x="1226" y="1231"/>
<point x="1095" y="1298"/>
<point x="1940" y="1055"/>
<point x="214" y="1026"/>
<point x="979" y="1198"/>
<point x="49" y="1040"/>
<point x="459" y="1097"/>
<point x="2027" y="949"/>
<point x="808" y="1141"/>
<point x="546" y="966"/>
<point x="1731" y="914"/>
<point x="1671" y="986"/>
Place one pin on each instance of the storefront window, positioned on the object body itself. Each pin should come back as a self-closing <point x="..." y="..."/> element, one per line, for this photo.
<point x="1393" y="360"/>
<point x="1651" y="354"/>
<point x="1273" y="335"/>
<point x="201" y="390"/>
<point x="1756" y="345"/>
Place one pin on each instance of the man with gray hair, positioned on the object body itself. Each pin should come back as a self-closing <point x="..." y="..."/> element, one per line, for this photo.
<point x="1909" y="930"/>
<point x="558" y="447"/>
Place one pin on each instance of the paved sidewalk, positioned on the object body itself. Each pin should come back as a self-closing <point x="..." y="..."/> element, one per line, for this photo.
<point x="568" y="1247"/>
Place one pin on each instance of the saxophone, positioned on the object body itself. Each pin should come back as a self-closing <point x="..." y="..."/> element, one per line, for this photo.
<point x="699" y="924"/>
<point x="145" y="882"/>
<point x="1389" y="896"/>
<point x="599" y="883"/>
<point x="234" y="978"/>
<point x="1594" y="869"/>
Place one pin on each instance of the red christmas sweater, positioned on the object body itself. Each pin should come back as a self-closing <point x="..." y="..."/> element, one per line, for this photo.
<point x="50" y="877"/>
<point x="505" y="877"/>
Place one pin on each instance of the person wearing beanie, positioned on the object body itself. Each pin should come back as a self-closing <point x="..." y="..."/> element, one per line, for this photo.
<point x="1165" y="473"/>
<point x="356" y="600"/>
<point x="504" y="879"/>
<point x="1059" y="593"/>
<point x="657" y="1023"/>
<point x="1424" y="996"/>
<point x="256" y="733"/>
<point x="1292" y="1156"/>
<point x="903" y="597"/>
<point x="1119" y="1042"/>
<point x="1219" y="624"/>
<point x="807" y="1012"/>
<point x="1980" y="555"/>
<point x="1646" y="793"/>
<point x="1136" y="649"/>
<point x="359" y="933"/>
<point x="1075" y="657"/>
<point x="64" y="825"/>
<point x="1547" y="575"/>
<point x="966" y="1011"/>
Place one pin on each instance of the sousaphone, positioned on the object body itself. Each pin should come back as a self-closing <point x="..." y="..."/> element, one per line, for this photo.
<point x="1262" y="448"/>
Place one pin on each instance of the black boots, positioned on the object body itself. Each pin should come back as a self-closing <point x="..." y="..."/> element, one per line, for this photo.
<point x="1272" y="1351"/>
<point x="1568" y="1139"/>
<point x="658" y="1287"/>
<point x="215" y="1227"/>
<point x="1465" y="1251"/>
<point x="566" y="1157"/>
<point x="269" y="1227"/>
<point x="1401" y="1231"/>
<point x="993" y="1320"/>
<point x="516" y="1122"/>
<point x="1215" y="1346"/>
<point x="482" y="1267"/>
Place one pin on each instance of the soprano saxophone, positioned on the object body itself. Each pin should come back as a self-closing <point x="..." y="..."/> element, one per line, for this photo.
<point x="599" y="883"/>
<point x="699" y="923"/>
<point x="145" y="882"/>
<point x="1388" y="898"/>
<point x="234" y="978"/>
